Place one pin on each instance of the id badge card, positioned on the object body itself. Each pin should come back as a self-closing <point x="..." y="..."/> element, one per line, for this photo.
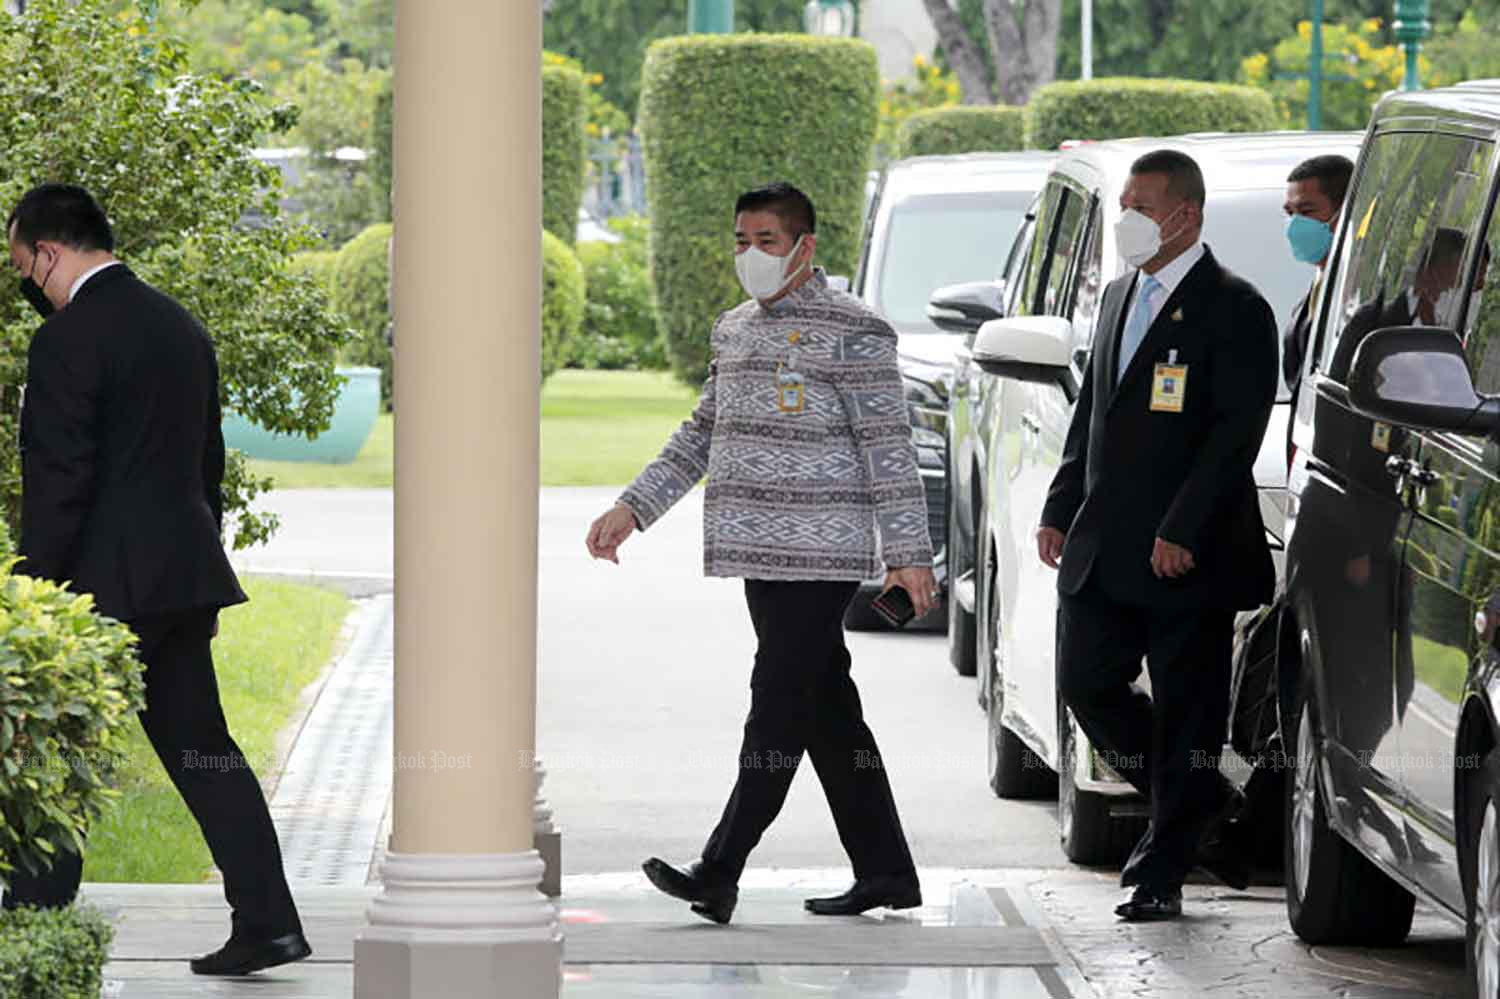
<point x="1380" y="437"/>
<point x="791" y="392"/>
<point x="1169" y="388"/>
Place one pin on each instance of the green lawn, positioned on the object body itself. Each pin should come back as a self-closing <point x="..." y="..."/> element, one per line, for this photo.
<point x="598" y="429"/>
<point x="268" y="650"/>
<point x="1441" y="667"/>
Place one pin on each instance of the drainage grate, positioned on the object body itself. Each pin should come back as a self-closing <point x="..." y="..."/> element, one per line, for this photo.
<point x="333" y="791"/>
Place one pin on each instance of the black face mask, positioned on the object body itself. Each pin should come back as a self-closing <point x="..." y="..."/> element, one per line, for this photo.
<point x="33" y="293"/>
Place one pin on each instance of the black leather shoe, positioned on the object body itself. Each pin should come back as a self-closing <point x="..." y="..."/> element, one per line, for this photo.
<point x="890" y="892"/>
<point x="712" y="898"/>
<point x="1147" y="904"/>
<point x="245" y="957"/>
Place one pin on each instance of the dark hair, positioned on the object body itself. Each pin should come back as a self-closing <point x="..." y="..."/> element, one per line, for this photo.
<point x="1332" y="172"/>
<point x="791" y="206"/>
<point x="1184" y="178"/>
<point x="1447" y="247"/>
<point x="61" y="213"/>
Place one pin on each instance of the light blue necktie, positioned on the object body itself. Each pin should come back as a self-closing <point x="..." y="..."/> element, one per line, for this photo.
<point x="1138" y="323"/>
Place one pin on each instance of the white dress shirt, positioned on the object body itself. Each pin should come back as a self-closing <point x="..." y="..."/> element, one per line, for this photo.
<point x="84" y="277"/>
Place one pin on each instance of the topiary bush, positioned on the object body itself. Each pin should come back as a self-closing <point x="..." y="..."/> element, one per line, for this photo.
<point x="962" y="129"/>
<point x="53" y="953"/>
<point x="564" y="149"/>
<point x="721" y="114"/>
<point x="359" y="288"/>
<point x="316" y="264"/>
<point x="70" y="685"/>
<point x="619" y="318"/>
<point x="1124" y="107"/>
<point x="562" y="300"/>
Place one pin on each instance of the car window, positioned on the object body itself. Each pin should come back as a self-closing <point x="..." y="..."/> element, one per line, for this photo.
<point x="1034" y="268"/>
<point x="1012" y="278"/>
<point x="1481" y="324"/>
<point x="1418" y="206"/>
<point x="1065" y="247"/>
<point x="867" y="239"/>
<point x="939" y="240"/>
<point x="1088" y="285"/>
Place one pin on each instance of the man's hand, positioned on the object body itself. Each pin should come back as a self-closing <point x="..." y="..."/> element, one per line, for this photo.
<point x="609" y="532"/>
<point x="1049" y="546"/>
<point x="1171" y="561"/>
<point x="919" y="582"/>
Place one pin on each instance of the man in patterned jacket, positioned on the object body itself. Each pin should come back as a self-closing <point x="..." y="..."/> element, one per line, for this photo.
<point x="803" y="435"/>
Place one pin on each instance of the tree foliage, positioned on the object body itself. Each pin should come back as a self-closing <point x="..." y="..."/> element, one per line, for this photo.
<point x="1002" y="50"/>
<point x="90" y="96"/>
<point x="610" y="37"/>
<point x="1362" y="68"/>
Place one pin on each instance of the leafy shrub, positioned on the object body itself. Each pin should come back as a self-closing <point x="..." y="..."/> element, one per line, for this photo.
<point x="53" y="953"/>
<point x="562" y="300"/>
<point x="963" y="129"/>
<point x="721" y="114"/>
<point x="927" y="86"/>
<point x="316" y="264"/>
<point x="1124" y="107"/>
<point x="382" y="153"/>
<point x="361" y="283"/>
<point x="619" y="319"/>
<point x="564" y="155"/>
<point x="83" y="98"/>
<point x="1362" y="63"/>
<point x="69" y="686"/>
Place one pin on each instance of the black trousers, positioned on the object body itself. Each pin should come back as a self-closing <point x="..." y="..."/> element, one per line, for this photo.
<point x="1167" y="744"/>
<point x="803" y="700"/>
<point x="185" y="723"/>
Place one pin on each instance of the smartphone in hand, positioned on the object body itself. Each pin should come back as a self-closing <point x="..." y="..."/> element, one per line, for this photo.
<point x="895" y="607"/>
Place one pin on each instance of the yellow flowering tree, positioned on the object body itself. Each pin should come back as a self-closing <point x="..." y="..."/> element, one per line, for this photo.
<point x="928" y="86"/>
<point x="1359" y="67"/>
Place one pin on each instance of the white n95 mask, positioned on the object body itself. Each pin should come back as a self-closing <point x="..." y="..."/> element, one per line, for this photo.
<point x="1138" y="236"/>
<point x="763" y="275"/>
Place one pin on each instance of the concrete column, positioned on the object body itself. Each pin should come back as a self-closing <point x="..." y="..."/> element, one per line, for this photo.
<point x="460" y="915"/>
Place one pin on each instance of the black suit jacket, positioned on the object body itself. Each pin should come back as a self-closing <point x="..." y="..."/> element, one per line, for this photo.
<point x="1130" y="475"/>
<point x="122" y="455"/>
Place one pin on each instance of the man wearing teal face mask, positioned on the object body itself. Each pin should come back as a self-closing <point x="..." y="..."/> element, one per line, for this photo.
<point x="1315" y="192"/>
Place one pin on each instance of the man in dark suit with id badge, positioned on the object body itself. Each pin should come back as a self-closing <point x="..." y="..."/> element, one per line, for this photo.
<point x="1154" y="522"/>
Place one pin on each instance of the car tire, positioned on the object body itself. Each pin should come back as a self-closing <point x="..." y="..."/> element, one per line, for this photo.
<point x="1334" y="895"/>
<point x="963" y="633"/>
<point x="1481" y="873"/>
<point x="1088" y="832"/>
<point x="1014" y="770"/>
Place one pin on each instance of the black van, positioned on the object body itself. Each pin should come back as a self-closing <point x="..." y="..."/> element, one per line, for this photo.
<point x="1388" y="655"/>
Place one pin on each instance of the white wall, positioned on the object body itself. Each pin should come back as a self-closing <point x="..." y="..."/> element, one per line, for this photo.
<point x="899" y="30"/>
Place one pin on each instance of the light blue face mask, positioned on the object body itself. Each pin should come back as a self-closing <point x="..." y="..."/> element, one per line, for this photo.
<point x="1310" y="238"/>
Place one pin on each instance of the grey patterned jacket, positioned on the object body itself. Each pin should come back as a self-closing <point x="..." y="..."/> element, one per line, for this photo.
<point x="798" y="495"/>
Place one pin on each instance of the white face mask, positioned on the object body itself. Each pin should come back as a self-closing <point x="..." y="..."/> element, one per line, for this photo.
<point x="763" y="275"/>
<point x="1138" y="236"/>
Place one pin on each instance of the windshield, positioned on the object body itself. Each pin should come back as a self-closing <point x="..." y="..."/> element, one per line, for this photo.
<point x="940" y="240"/>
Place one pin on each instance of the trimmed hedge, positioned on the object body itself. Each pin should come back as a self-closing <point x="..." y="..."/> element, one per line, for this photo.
<point x="962" y="129"/>
<point x="53" y="953"/>
<point x="1125" y="107"/>
<point x="360" y="289"/>
<point x="619" y="319"/>
<point x="721" y="114"/>
<point x="564" y="149"/>
<point x="316" y="264"/>
<point x="562" y="300"/>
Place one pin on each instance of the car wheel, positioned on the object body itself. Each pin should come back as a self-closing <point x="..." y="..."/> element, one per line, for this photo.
<point x="1088" y="832"/>
<point x="1334" y="895"/>
<point x="1481" y="869"/>
<point x="1014" y="770"/>
<point x="963" y="638"/>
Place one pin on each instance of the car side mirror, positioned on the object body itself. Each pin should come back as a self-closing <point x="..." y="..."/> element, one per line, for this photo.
<point x="1417" y="376"/>
<point x="1029" y="349"/>
<point x="963" y="308"/>
<point x="838" y="282"/>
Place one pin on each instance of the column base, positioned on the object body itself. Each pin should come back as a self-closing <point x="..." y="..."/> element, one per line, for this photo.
<point x="460" y="927"/>
<point x="549" y="845"/>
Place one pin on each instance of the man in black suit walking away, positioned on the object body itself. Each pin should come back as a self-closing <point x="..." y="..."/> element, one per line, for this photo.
<point x="122" y="462"/>
<point x="1154" y="521"/>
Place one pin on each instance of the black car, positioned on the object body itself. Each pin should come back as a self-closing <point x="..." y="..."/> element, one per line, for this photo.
<point x="1388" y="659"/>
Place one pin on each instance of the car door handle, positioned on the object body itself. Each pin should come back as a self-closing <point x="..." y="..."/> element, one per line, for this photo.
<point x="1031" y="423"/>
